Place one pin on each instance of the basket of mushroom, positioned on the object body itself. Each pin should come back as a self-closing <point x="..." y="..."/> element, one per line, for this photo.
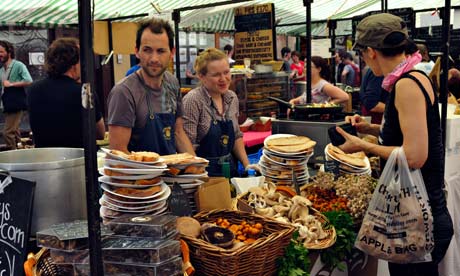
<point x="281" y="204"/>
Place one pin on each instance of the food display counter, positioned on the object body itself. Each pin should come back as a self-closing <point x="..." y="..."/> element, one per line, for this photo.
<point x="253" y="91"/>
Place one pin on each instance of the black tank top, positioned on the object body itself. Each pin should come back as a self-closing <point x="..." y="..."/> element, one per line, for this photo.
<point x="433" y="169"/>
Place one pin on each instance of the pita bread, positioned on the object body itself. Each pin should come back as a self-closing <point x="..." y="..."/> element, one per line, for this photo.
<point x="294" y="148"/>
<point x="355" y="159"/>
<point x="288" y="141"/>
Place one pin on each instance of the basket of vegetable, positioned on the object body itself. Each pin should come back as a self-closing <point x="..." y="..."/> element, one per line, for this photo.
<point x="258" y="242"/>
<point x="282" y="204"/>
<point x="349" y="193"/>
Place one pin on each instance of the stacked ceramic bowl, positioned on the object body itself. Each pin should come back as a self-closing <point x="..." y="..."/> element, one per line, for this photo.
<point x="355" y="163"/>
<point x="186" y="170"/>
<point x="131" y="186"/>
<point x="284" y="156"/>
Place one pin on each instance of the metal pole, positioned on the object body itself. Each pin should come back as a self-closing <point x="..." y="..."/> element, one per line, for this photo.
<point x="89" y="123"/>
<point x="332" y="25"/>
<point x="445" y="13"/>
<point x="307" y="4"/>
<point x="176" y="18"/>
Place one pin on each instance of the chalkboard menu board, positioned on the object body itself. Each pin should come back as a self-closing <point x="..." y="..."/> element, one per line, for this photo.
<point x="407" y="14"/>
<point x="254" y="34"/>
<point x="16" y="201"/>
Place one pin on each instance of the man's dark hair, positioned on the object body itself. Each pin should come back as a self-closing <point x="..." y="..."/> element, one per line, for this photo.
<point x="284" y="51"/>
<point x="156" y="26"/>
<point x="9" y="48"/>
<point x="62" y="54"/>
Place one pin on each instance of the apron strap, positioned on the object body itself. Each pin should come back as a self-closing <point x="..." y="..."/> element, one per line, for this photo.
<point x="221" y="159"/>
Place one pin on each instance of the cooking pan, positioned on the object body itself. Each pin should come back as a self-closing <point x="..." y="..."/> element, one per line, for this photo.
<point x="308" y="108"/>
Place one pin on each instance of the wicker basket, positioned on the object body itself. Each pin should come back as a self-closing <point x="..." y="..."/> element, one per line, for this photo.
<point x="327" y="227"/>
<point x="258" y="258"/>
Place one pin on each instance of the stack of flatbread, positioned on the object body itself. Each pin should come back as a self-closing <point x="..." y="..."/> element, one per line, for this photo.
<point x="349" y="163"/>
<point x="284" y="156"/>
<point x="292" y="144"/>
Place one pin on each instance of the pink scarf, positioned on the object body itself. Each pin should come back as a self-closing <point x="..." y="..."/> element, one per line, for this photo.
<point x="399" y="70"/>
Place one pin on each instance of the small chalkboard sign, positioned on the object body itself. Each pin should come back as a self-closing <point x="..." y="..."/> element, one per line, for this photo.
<point x="332" y="166"/>
<point x="16" y="201"/>
<point x="178" y="202"/>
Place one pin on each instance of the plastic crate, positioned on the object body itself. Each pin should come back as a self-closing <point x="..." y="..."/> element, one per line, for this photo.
<point x="253" y="159"/>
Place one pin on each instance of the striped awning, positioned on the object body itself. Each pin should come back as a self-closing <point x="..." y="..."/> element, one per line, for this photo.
<point x="49" y="13"/>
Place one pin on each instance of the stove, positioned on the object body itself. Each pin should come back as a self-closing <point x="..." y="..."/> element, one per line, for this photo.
<point x="315" y="128"/>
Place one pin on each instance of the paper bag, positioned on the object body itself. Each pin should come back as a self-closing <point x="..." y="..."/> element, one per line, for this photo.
<point x="214" y="194"/>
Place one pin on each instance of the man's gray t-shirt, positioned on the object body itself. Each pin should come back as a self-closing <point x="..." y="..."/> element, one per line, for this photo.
<point x="127" y="105"/>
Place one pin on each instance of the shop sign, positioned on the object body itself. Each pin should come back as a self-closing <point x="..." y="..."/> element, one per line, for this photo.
<point x="16" y="199"/>
<point x="254" y="33"/>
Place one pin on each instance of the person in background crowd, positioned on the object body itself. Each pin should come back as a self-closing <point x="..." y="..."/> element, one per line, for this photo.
<point x="350" y="73"/>
<point x="211" y="114"/>
<point x="297" y="74"/>
<point x="339" y="65"/>
<point x="321" y="91"/>
<point x="411" y="120"/>
<point x="426" y="65"/>
<point x="190" y="73"/>
<point x="228" y="49"/>
<point x="286" y="53"/>
<point x="373" y="97"/>
<point x="145" y="109"/>
<point x="55" y="109"/>
<point x="14" y="78"/>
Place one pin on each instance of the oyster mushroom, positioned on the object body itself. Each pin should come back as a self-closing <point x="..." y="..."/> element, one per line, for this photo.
<point x="267" y="212"/>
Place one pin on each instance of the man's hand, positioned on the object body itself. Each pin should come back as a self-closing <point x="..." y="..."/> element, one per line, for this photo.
<point x="7" y="83"/>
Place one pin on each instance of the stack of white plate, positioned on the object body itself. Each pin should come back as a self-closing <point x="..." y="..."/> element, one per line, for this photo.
<point x="279" y="167"/>
<point x="188" y="182"/>
<point x="148" y="197"/>
<point x="347" y="168"/>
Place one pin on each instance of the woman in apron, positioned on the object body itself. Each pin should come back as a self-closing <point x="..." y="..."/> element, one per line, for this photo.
<point x="211" y="115"/>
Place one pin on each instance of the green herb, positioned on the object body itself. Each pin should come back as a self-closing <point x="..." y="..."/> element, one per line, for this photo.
<point x="341" y="250"/>
<point x="295" y="261"/>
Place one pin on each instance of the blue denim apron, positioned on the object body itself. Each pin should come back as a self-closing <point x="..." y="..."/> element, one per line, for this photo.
<point x="157" y="134"/>
<point x="218" y="144"/>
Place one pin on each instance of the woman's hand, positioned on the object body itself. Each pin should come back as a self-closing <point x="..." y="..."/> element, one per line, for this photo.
<point x="361" y="125"/>
<point x="352" y="143"/>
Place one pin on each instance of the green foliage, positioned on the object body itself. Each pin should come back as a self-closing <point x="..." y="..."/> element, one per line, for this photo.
<point x="336" y="254"/>
<point x="295" y="261"/>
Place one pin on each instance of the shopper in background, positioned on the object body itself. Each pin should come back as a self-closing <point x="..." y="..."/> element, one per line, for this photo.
<point x="339" y="65"/>
<point x="373" y="97"/>
<point x="350" y="73"/>
<point x="190" y="73"/>
<point x="145" y="108"/>
<point x="411" y="121"/>
<point x="228" y="49"/>
<point x="14" y="78"/>
<point x="286" y="53"/>
<point x="298" y="67"/>
<point x="211" y="114"/>
<point x="55" y="109"/>
<point x="321" y="90"/>
<point x="426" y="65"/>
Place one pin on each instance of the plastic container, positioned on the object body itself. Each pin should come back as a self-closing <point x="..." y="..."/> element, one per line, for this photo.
<point x="149" y="226"/>
<point x="139" y="250"/>
<point x="67" y="236"/>
<point x="172" y="267"/>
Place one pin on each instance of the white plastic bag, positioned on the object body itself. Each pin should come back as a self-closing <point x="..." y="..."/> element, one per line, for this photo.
<point x="398" y="225"/>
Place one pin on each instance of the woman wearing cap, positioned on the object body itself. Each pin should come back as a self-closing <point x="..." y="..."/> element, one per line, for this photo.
<point x="211" y="114"/>
<point x="411" y="120"/>
<point x="321" y="90"/>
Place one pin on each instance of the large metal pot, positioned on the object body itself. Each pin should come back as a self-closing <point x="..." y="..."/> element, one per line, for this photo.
<point x="60" y="177"/>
